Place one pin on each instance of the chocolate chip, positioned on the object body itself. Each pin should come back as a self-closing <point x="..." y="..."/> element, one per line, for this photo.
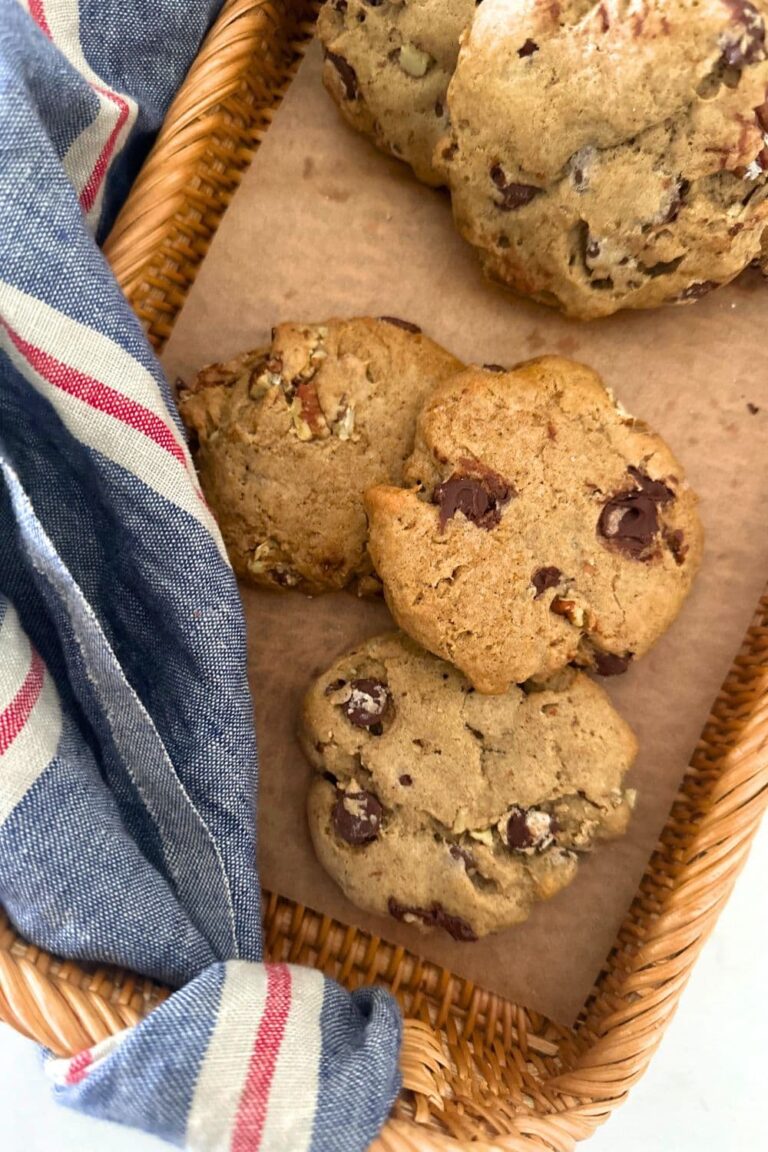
<point x="761" y="115"/>
<point x="544" y="578"/>
<point x="434" y="917"/>
<point x="528" y="48"/>
<point x="745" y="44"/>
<point x="476" y="491"/>
<point x="334" y="686"/>
<point x="347" y="74"/>
<point x="611" y="664"/>
<point x="463" y="854"/>
<point x="675" y="541"/>
<point x="398" y="323"/>
<point x="656" y="489"/>
<point x="367" y="704"/>
<point x="513" y="196"/>
<point x="752" y="408"/>
<point x="678" y="196"/>
<point x="356" y="817"/>
<point x="529" y="830"/>
<point x="630" y="519"/>
<point x="494" y="368"/>
<point x="281" y="577"/>
<point x="697" y="290"/>
<point x="405" y="780"/>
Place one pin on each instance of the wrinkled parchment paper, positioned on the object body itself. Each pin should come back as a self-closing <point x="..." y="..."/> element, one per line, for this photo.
<point x="325" y="225"/>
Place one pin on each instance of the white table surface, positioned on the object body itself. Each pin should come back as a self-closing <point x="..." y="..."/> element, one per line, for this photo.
<point x="704" y="1092"/>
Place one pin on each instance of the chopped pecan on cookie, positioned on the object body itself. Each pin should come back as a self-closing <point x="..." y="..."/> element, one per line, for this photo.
<point x="286" y="440"/>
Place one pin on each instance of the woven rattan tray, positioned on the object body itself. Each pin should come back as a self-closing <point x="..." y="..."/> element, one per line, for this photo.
<point x="475" y="1068"/>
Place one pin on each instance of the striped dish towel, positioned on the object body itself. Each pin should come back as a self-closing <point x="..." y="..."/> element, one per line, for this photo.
<point x="128" y="767"/>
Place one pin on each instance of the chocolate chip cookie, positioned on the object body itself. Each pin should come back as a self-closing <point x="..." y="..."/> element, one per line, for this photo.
<point x="387" y="66"/>
<point x="540" y="524"/>
<point x="605" y="156"/>
<point x="452" y="810"/>
<point x="287" y="439"/>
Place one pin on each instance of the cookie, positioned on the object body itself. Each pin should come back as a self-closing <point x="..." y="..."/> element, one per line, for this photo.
<point x="540" y="524"/>
<point x="287" y="439"/>
<point x="452" y="810"/>
<point x="387" y="66"/>
<point x="605" y="157"/>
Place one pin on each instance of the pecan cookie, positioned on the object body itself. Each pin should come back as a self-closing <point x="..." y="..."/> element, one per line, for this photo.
<point x="543" y="525"/>
<point x="387" y="66"/>
<point x="287" y="440"/>
<point x="607" y="156"/>
<point x="453" y="810"/>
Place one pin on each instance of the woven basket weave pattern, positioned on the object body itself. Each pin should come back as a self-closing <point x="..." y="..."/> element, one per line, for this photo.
<point x="475" y="1067"/>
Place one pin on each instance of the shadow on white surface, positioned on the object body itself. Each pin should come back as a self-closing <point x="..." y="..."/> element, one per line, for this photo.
<point x="703" y="1092"/>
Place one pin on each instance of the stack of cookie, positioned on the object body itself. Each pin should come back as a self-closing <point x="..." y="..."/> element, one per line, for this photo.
<point x="599" y="155"/>
<point x="523" y="528"/>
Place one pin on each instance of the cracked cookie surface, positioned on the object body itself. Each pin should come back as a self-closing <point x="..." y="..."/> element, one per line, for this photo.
<point x="387" y="66"/>
<point x="543" y="525"/>
<point x="449" y="809"/>
<point x="287" y="439"/>
<point x="612" y="155"/>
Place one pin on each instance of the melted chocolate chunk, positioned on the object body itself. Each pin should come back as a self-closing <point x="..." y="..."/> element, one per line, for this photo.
<point x="656" y="489"/>
<point x="513" y="196"/>
<point x="544" y="578"/>
<point x="334" y="686"/>
<point x="368" y="702"/>
<point x="283" y="578"/>
<point x="697" y="290"/>
<point x="675" y="541"/>
<point x="528" y="48"/>
<point x="356" y="817"/>
<point x="630" y="520"/>
<point x="745" y="42"/>
<point x="406" y="780"/>
<point x="530" y="830"/>
<point x="462" y="854"/>
<point x="434" y="917"/>
<point x="610" y="664"/>
<point x="347" y="74"/>
<point x="476" y="491"/>
<point x="679" y="195"/>
<point x="398" y="323"/>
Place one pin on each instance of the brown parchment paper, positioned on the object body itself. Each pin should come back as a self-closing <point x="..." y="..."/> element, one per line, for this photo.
<point x="325" y="225"/>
